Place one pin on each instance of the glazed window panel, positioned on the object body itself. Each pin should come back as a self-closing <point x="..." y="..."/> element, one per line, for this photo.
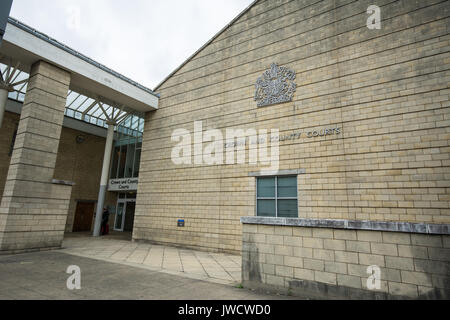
<point x="115" y="162"/>
<point x="129" y="164"/>
<point x="266" y="208"/>
<point x="122" y="161"/>
<point x="287" y="187"/>
<point x="277" y="197"/>
<point x="266" y="188"/>
<point x="137" y="161"/>
<point x="287" y="208"/>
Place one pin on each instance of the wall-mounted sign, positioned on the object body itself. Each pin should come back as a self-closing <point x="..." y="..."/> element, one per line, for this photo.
<point x="180" y="223"/>
<point x="275" y="86"/>
<point x="127" y="184"/>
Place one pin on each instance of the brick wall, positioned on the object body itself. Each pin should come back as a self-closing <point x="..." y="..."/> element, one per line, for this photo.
<point x="332" y="263"/>
<point x="386" y="89"/>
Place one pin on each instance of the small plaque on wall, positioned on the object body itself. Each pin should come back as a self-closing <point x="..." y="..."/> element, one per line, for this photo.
<point x="181" y="223"/>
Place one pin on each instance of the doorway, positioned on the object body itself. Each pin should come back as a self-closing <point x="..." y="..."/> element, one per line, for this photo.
<point x="124" y="220"/>
<point x="83" y="216"/>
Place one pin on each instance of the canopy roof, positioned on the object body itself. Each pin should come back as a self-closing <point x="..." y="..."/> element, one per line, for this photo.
<point x="96" y="94"/>
<point x="81" y="107"/>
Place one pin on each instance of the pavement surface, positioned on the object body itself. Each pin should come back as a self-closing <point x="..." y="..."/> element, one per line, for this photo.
<point x="116" y="248"/>
<point x="43" y="276"/>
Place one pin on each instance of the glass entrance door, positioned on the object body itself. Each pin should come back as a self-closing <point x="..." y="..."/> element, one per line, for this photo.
<point x="125" y="215"/>
<point x="120" y="213"/>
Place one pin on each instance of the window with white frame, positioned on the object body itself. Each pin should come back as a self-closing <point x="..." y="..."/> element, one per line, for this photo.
<point x="277" y="197"/>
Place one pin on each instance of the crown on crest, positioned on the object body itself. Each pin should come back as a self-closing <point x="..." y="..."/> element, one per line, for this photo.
<point x="276" y="85"/>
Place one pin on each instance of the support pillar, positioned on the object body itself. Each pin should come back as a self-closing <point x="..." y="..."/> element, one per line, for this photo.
<point x="104" y="178"/>
<point x="33" y="209"/>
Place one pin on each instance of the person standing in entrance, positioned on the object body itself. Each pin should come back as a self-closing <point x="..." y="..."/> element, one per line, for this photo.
<point x="105" y="219"/>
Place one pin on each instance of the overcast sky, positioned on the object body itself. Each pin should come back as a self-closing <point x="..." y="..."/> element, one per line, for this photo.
<point x="144" y="40"/>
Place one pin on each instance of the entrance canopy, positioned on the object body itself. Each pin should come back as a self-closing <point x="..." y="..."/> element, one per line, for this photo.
<point x="83" y="108"/>
<point x="97" y="94"/>
<point x="66" y="81"/>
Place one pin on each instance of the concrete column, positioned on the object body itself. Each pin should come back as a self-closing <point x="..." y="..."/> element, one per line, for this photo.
<point x="3" y="99"/>
<point x="33" y="209"/>
<point x="104" y="179"/>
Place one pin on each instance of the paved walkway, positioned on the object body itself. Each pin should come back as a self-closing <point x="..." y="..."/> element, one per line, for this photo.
<point x="42" y="276"/>
<point x="211" y="267"/>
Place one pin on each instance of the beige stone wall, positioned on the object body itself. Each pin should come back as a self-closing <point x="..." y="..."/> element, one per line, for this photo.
<point x="310" y="259"/>
<point x="33" y="208"/>
<point x="79" y="163"/>
<point x="82" y="164"/>
<point x="387" y="89"/>
<point x="10" y="123"/>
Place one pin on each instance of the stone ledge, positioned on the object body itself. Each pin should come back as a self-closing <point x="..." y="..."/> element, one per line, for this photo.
<point x="263" y="173"/>
<point x="407" y="227"/>
<point x="63" y="182"/>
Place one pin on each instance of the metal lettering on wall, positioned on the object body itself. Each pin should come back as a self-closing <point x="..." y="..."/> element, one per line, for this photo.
<point x="310" y="133"/>
<point x="275" y="86"/>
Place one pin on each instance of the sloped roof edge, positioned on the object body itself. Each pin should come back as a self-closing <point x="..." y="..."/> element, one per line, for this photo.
<point x="15" y="22"/>
<point x="206" y="44"/>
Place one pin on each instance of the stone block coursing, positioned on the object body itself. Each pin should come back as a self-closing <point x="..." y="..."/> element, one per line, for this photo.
<point x="33" y="209"/>
<point x="341" y="272"/>
<point x="386" y="89"/>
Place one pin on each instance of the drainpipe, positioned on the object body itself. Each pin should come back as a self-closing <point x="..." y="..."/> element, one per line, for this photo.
<point x="104" y="178"/>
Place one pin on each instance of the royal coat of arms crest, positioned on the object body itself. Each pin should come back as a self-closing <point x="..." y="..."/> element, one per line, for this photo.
<point x="275" y="86"/>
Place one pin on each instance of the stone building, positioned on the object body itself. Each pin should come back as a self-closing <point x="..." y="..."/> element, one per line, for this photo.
<point x="310" y="136"/>
<point x="71" y="139"/>
<point x="363" y="172"/>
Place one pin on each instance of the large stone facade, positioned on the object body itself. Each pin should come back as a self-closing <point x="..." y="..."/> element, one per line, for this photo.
<point x="387" y="90"/>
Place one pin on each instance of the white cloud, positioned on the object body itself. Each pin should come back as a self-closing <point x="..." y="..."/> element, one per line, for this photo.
<point x="142" y="39"/>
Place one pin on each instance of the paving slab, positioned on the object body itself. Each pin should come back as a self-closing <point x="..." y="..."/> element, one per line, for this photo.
<point x="42" y="276"/>
<point x="213" y="267"/>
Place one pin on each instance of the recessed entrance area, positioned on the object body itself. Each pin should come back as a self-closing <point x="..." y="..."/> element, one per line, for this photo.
<point x="126" y="206"/>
